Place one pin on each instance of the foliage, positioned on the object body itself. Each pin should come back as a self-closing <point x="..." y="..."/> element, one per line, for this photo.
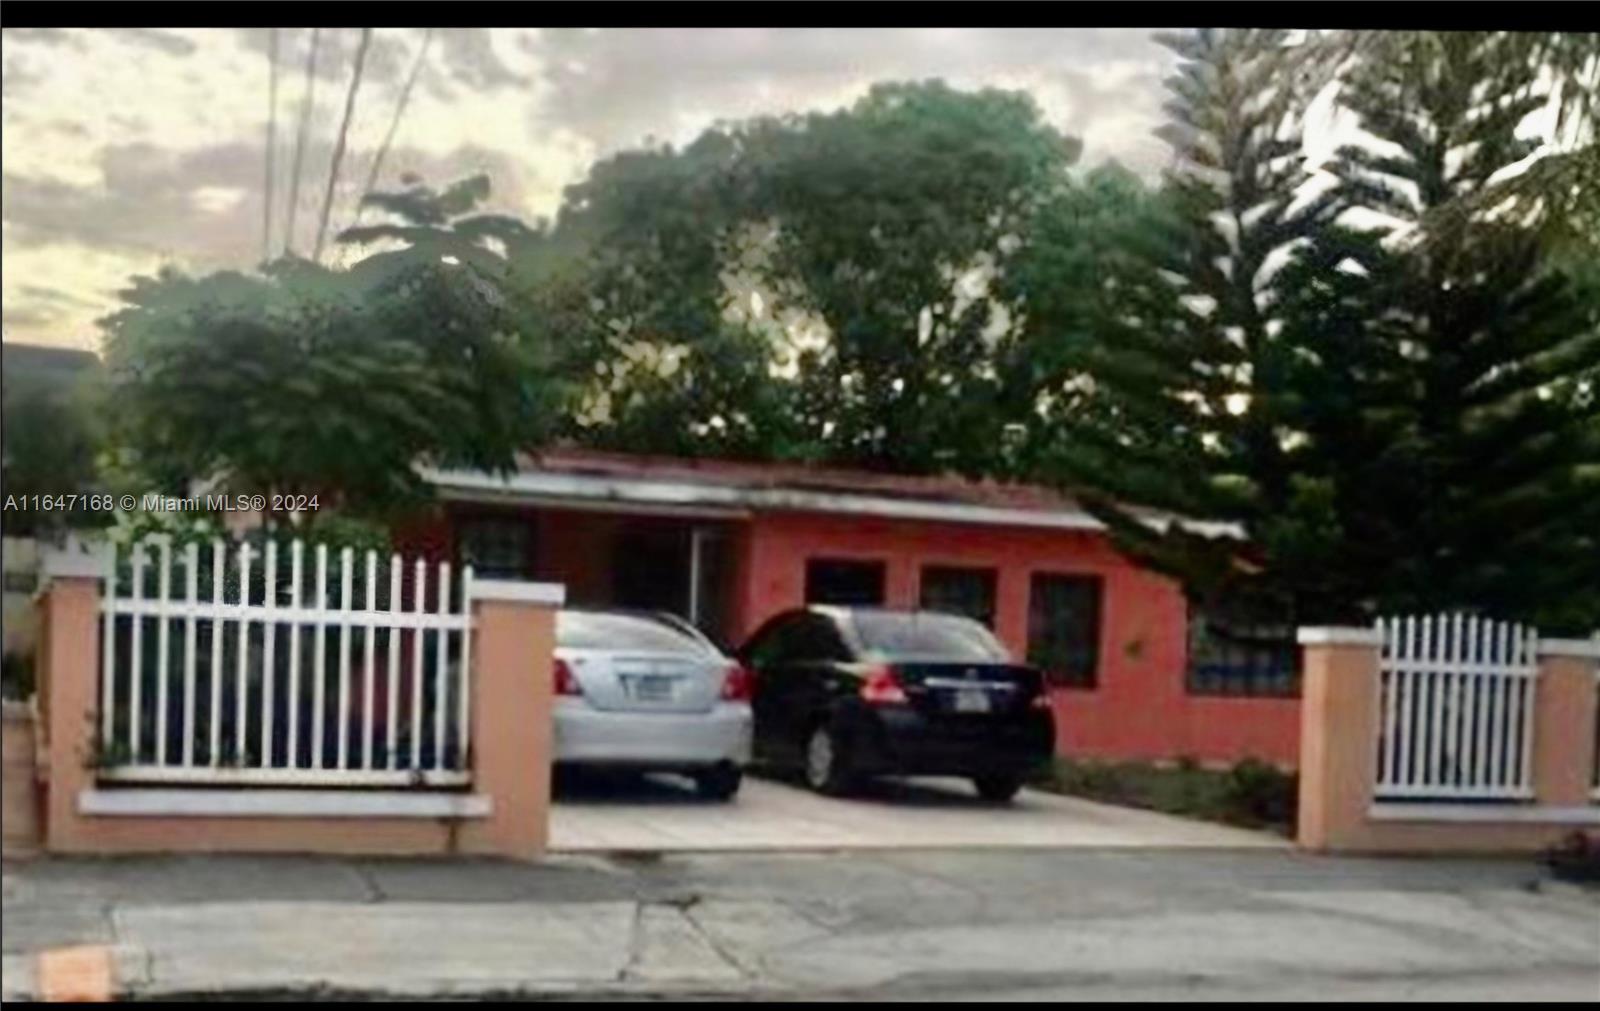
<point x="1493" y="496"/>
<point x="1251" y="793"/>
<point x="307" y="380"/>
<point x="51" y="445"/>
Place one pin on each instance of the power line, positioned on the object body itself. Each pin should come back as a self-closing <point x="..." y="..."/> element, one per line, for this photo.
<point x="394" y="124"/>
<point x="338" y="147"/>
<point x="300" y="140"/>
<point x="272" y="146"/>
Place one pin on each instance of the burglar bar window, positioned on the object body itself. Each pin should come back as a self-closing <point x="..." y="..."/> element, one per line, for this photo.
<point x="844" y="581"/>
<point x="968" y="592"/>
<point x="1236" y="653"/>
<point x="1064" y="628"/>
<point x="495" y="547"/>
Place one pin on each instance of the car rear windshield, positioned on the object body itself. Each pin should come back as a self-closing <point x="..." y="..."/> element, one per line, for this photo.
<point x="631" y="632"/>
<point x="926" y="636"/>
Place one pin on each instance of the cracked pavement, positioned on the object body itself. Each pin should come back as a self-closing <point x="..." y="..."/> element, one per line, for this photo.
<point x="911" y="924"/>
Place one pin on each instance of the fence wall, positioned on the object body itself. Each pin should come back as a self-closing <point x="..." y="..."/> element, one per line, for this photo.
<point x="1446" y="732"/>
<point x="183" y="782"/>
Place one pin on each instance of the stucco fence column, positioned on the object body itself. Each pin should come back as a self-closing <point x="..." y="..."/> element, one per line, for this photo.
<point x="1338" y="758"/>
<point x="505" y="814"/>
<point x="512" y="729"/>
<point x="1338" y="724"/>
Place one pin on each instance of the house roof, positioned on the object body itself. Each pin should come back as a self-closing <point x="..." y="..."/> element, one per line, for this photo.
<point x="621" y="482"/>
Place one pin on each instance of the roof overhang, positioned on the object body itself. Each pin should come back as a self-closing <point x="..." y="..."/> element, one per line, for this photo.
<point x="554" y="489"/>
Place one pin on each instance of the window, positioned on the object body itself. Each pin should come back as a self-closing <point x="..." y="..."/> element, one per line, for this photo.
<point x="1064" y="628"/>
<point x="841" y="581"/>
<point x="1233" y="651"/>
<point x="898" y="635"/>
<point x="796" y="637"/>
<point x="612" y="631"/>
<point x="495" y="547"/>
<point x="959" y="591"/>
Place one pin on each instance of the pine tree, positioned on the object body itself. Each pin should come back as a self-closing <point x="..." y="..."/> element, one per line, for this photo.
<point x="1195" y="410"/>
<point x="1490" y="489"/>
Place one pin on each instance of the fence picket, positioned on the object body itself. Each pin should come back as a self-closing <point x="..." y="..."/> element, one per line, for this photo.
<point x="218" y="569"/>
<point x="108" y="651"/>
<point x="346" y="565"/>
<point x="296" y="574"/>
<point x="319" y="665"/>
<point x="269" y="633"/>
<point x="163" y="646"/>
<point x="441" y="665"/>
<point x="370" y="672"/>
<point x="191" y="565"/>
<point x="417" y="606"/>
<point x="464" y="683"/>
<point x="391" y="726"/>
<point x="242" y="688"/>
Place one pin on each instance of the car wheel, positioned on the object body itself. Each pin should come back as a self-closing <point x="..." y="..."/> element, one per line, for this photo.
<point x="720" y="782"/>
<point x="997" y="787"/>
<point x="827" y="767"/>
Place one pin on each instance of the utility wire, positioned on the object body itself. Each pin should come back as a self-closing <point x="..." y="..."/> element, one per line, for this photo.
<point x="394" y="125"/>
<point x="272" y="146"/>
<point x="300" y="140"/>
<point x="338" y="147"/>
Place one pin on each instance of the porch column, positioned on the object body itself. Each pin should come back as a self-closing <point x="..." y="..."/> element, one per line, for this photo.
<point x="1338" y="735"/>
<point x="514" y="639"/>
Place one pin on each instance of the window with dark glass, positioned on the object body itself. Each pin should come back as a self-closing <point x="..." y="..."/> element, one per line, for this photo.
<point x="496" y="547"/>
<point x="844" y="581"/>
<point x="959" y="591"/>
<point x="1064" y="628"/>
<point x="1241" y="651"/>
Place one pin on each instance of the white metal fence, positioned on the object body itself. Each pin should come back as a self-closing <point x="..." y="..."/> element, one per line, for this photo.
<point x="1456" y="702"/>
<point x="231" y="664"/>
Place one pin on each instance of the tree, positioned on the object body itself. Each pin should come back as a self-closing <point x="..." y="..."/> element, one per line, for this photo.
<point x="1192" y="405"/>
<point x="813" y="286"/>
<point x="308" y="380"/>
<point x="1495" y="492"/>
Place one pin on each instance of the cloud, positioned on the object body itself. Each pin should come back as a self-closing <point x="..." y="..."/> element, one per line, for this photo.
<point x="124" y="149"/>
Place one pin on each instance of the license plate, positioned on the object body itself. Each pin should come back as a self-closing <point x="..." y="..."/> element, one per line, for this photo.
<point x="972" y="700"/>
<point x="650" y="687"/>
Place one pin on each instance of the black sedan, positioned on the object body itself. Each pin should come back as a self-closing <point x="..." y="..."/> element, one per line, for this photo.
<point x="846" y="693"/>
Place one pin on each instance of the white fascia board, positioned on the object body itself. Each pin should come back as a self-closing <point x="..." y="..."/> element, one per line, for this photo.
<point x="534" y="485"/>
<point x="1338" y="635"/>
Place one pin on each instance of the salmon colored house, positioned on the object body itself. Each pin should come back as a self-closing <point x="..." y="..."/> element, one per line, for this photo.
<point x="727" y="545"/>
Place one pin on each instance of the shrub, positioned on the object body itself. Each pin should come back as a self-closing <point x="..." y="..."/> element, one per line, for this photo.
<point x="1256" y="793"/>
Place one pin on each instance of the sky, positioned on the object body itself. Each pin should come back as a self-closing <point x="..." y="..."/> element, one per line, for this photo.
<point x="126" y="149"/>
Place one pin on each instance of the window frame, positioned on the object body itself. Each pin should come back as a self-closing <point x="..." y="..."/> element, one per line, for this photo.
<point x="461" y="523"/>
<point x="879" y="563"/>
<point x="1250" y="679"/>
<point x="1054" y="676"/>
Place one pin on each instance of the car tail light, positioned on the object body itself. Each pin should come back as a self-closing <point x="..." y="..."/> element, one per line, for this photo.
<point x="565" y="682"/>
<point x="882" y="688"/>
<point x="737" y="685"/>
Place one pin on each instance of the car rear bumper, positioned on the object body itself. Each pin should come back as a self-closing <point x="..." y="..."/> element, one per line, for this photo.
<point x="901" y="740"/>
<point x="590" y="736"/>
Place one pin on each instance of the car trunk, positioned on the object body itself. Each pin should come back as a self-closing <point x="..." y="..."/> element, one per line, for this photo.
<point x="648" y="682"/>
<point x="968" y="689"/>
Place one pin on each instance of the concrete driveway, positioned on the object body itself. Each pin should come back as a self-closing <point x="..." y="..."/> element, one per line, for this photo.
<point x="662" y="814"/>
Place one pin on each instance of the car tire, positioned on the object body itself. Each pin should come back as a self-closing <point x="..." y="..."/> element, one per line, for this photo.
<point x="997" y="788"/>
<point x="826" y="763"/>
<point x="720" y="782"/>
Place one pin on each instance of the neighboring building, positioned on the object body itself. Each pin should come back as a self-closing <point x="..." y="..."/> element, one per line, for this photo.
<point x="729" y="544"/>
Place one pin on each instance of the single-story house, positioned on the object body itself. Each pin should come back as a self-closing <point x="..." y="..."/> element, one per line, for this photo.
<point x="728" y="544"/>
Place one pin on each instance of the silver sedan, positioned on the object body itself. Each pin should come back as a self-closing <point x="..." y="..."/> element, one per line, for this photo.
<point x="647" y="691"/>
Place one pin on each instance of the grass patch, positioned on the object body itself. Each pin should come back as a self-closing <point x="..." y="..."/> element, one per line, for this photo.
<point x="1251" y="794"/>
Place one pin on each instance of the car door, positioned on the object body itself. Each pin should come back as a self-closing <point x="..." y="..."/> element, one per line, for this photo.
<point x="816" y="675"/>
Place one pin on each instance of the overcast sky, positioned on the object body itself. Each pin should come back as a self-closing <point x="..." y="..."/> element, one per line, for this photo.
<point x="124" y="149"/>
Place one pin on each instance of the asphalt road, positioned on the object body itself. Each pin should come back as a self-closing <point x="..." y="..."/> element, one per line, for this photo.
<point x="1076" y="924"/>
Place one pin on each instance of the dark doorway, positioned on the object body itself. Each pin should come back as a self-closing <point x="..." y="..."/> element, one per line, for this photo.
<point x="650" y="567"/>
<point x="843" y="581"/>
